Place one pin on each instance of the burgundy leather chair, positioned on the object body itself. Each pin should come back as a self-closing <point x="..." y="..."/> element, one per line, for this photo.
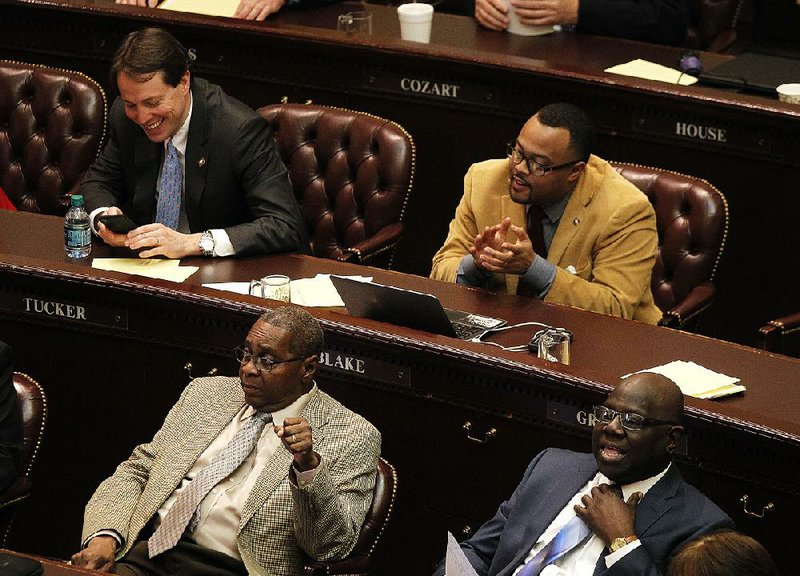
<point x="358" y="561"/>
<point x="33" y="408"/>
<point x="352" y="174"/>
<point x="692" y="223"/>
<point x="781" y="335"/>
<point x="713" y="24"/>
<point x="52" y="124"/>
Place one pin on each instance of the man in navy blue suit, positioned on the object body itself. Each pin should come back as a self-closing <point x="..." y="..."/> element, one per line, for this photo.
<point x="635" y="433"/>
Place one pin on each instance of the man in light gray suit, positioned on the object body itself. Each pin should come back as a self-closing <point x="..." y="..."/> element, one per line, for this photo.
<point x="301" y="492"/>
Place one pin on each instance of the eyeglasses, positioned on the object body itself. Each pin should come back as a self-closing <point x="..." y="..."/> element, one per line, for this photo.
<point x="532" y="165"/>
<point x="262" y="363"/>
<point x="629" y="420"/>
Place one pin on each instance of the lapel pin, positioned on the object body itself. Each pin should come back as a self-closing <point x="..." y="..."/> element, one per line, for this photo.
<point x="201" y="162"/>
<point x="576" y="221"/>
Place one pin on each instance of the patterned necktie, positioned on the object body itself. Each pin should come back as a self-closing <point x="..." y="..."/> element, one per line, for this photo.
<point x="169" y="192"/>
<point x="221" y="466"/>
<point x="571" y="535"/>
<point x="536" y="234"/>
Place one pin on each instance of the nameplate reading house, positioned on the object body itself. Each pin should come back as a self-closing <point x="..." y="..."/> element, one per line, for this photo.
<point x="702" y="133"/>
<point x="60" y="311"/>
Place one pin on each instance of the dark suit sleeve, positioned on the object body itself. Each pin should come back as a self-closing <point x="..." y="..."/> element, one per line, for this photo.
<point x="104" y="184"/>
<point x="276" y="223"/>
<point x="10" y="424"/>
<point x="481" y="548"/>
<point x="659" y="21"/>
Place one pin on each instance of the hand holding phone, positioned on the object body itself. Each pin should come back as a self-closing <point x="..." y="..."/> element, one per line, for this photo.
<point x="117" y="223"/>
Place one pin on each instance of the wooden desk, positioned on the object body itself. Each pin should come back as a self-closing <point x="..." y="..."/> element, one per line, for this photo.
<point x="465" y="95"/>
<point x="112" y="372"/>
<point x="56" y="567"/>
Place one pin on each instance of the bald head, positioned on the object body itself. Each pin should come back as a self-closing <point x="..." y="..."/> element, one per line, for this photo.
<point x="634" y="453"/>
<point x="658" y="396"/>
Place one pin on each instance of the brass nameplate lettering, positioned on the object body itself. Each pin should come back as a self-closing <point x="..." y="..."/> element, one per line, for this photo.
<point x="369" y="368"/>
<point x="436" y="88"/>
<point x="61" y="311"/>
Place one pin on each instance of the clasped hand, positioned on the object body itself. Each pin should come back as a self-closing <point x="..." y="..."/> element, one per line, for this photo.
<point x="493" y="14"/>
<point x="607" y="515"/>
<point x="492" y="251"/>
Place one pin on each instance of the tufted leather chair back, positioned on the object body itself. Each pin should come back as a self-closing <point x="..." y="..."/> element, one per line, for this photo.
<point x="712" y="25"/>
<point x="352" y="174"/>
<point x="358" y="561"/>
<point x="32" y="405"/>
<point x="52" y="124"/>
<point x="692" y="223"/>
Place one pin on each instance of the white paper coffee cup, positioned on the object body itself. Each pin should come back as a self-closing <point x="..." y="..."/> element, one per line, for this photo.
<point x="789" y="93"/>
<point x="415" y="21"/>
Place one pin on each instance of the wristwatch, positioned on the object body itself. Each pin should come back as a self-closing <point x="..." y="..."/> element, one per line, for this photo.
<point x="207" y="243"/>
<point x="618" y="543"/>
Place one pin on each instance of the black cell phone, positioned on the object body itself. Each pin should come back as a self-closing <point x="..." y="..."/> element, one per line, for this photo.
<point x="118" y="223"/>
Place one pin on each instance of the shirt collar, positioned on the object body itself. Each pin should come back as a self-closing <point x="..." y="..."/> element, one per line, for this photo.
<point x="182" y="135"/>
<point x="639" y="486"/>
<point x="294" y="409"/>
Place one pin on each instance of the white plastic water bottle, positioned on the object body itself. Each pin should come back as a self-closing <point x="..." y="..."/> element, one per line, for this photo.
<point x="77" y="234"/>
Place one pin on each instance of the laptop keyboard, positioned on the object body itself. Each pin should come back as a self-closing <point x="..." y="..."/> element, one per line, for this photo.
<point x="468" y="331"/>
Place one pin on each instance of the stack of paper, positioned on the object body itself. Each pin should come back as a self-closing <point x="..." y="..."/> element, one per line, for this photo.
<point x="317" y="291"/>
<point x="151" y="268"/>
<point x="651" y="71"/>
<point x="698" y="381"/>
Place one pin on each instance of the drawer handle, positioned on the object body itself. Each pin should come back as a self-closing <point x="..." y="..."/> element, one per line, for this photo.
<point x="770" y="507"/>
<point x="188" y="369"/>
<point x="466" y="531"/>
<point x="490" y="433"/>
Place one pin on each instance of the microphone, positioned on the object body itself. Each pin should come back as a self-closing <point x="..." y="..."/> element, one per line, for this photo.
<point x="690" y="63"/>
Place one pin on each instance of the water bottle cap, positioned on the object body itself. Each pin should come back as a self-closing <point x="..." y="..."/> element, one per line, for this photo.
<point x="76" y="200"/>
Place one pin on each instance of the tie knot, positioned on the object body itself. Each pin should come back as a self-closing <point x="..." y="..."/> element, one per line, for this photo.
<point x="265" y="417"/>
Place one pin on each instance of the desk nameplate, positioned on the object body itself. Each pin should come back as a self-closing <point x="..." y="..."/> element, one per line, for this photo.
<point x="427" y="87"/>
<point x="354" y="365"/>
<point x="63" y="310"/>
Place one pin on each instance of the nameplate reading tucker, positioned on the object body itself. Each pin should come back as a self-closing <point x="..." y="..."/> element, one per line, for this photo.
<point x="63" y="311"/>
<point x="369" y="368"/>
<point x="426" y="87"/>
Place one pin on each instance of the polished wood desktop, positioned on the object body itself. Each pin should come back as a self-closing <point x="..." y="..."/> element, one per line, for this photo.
<point x="54" y="567"/>
<point x="460" y="420"/>
<point x="464" y="95"/>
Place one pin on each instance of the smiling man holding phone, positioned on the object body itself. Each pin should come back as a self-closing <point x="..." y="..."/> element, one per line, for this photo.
<point x="194" y="171"/>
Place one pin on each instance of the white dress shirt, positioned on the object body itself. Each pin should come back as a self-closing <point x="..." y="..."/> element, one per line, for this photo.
<point x="581" y="560"/>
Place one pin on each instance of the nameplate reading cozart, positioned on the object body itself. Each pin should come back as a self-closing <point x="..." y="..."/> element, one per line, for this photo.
<point x="63" y="311"/>
<point x="426" y="87"/>
<point x="370" y="368"/>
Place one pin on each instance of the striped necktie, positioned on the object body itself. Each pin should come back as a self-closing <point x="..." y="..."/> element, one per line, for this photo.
<point x="168" y="208"/>
<point x="571" y="535"/>
<point x="220" y="467"/>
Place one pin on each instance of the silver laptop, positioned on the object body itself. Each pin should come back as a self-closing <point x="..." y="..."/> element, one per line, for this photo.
<point x="411" y="309"/>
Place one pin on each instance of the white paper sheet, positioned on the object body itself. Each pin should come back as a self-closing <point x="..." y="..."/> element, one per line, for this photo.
<point x="651" y="71"/>
<point x="456" y="563"/>
<point x="151" y="268"/>
<point x="696" y="380"/>
<point x="313" y="292"/>
<point x="207" y="7"/>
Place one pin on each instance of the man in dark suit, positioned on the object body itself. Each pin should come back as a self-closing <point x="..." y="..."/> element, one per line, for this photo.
<point x="197" y="170"/>
<point x="634" y="435"/>
<point x="658" y="21"/>
<point x="10" y="425"/>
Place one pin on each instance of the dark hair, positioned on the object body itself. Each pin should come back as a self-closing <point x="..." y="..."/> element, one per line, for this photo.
<point x="145" y="52"/>
<point x="306" y="335"/>
<point x="724" y="553"/>
<point x="575" y="121"/>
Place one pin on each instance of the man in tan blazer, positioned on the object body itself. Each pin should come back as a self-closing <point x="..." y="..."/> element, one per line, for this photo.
<point x="301" y="492"/>
<point x="597" y="238"/>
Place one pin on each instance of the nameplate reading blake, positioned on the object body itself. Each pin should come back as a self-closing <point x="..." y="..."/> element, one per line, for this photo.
<point x="369" y="368"/>
<point x="62" y="311"/>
